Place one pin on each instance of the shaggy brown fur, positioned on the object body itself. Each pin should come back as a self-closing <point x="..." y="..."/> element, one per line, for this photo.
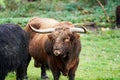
<point x="44" y="47"/>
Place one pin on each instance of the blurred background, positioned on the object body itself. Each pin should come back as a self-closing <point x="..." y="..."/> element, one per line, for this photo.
<point x="76" y="11"/>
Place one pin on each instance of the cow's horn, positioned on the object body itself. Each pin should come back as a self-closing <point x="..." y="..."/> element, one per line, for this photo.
<point x="49" y="30"/>
<point x="79" y="30"/>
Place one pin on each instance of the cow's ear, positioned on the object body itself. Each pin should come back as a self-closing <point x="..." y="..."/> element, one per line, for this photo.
<point x="50" y="36"/>
<point x="77" y="36"/>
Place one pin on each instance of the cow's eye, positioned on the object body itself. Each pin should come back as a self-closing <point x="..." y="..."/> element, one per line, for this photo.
<point x="53" y="40"/>
<point x="67" y="39"/>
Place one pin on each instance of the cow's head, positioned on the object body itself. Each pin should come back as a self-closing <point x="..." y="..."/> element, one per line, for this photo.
<point x="62" y="37"/>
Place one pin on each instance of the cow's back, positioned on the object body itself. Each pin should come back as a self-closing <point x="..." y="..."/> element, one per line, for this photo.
<point x="42" y="22"/>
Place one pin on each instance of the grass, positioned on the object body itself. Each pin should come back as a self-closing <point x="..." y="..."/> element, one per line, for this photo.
<point x="100" y="56"/>
<point x="76" y="12"/>
<point x="99" y="59"/>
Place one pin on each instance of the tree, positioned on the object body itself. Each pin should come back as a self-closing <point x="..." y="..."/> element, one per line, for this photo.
<point x="118" y="16"/>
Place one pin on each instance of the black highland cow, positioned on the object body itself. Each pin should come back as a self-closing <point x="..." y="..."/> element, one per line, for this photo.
<point x="13" y="51"/>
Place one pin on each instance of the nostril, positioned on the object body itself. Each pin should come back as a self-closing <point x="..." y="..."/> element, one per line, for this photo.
<point x="57" y="52"/>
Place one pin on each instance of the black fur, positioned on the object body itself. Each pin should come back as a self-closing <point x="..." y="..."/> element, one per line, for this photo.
<point x="13" y="51"/>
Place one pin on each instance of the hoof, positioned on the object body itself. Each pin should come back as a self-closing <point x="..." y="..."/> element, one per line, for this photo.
<point x="44" y="78"/>
<point x="25" y="78"/>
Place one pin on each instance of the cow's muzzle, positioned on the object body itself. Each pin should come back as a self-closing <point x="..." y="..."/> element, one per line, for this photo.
<point x="57" y="52"/>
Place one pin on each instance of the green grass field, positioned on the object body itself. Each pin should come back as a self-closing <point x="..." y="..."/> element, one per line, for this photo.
<point x="99" y="59"/>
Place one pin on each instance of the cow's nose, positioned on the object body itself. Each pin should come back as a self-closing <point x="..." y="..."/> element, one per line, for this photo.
<point x="57" y="52"/>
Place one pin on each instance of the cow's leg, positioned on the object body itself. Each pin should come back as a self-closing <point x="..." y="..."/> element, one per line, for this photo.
<point x="28" y="60"/>
<point x="21" y="72"/>
<point x="2" y="77"/>
<point x="56" y="74"/>
<point x="2" y="74"/>
<point x="43" y="73"/>
<point x="71" y="73"/>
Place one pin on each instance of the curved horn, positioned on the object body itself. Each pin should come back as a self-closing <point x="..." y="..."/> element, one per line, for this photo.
<point x="49" y="30"/>
<point x="79" y="30"/>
